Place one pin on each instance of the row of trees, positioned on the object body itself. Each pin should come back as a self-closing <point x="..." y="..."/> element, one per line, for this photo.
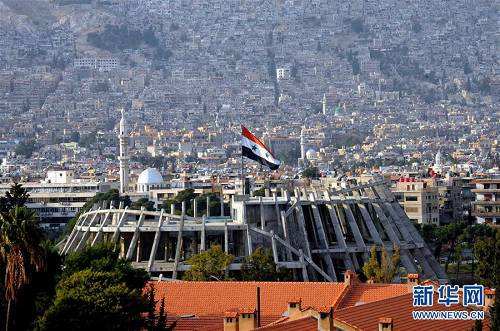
<point x="213" y="264"/>
<point x="187" y="196"/>
<point x="42" y="290"/>
<point x="451" y="243"/>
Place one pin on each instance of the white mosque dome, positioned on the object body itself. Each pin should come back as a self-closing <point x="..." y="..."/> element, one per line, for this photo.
<point x="310" y="154"/>
<point x="150" y="176"/>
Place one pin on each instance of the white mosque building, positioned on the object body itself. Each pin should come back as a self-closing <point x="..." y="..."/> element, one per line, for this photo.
<point x="148" y="180"/>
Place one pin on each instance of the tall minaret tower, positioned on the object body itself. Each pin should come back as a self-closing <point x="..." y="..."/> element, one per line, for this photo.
<point x="302" y="144"/>
<point x="123" y="157"/>
<point x="324" y="104"/>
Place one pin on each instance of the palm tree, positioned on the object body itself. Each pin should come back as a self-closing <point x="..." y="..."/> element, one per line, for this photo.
<point x="20" y="251"/>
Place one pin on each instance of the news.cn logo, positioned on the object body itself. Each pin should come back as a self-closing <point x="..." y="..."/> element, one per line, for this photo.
<point x="472" y="295"/>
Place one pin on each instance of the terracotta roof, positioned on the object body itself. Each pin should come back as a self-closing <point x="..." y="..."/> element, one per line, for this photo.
<point x="301" y="324"/>
<point x="364" y="293"/>
<point x="215" y="298"/>
<point x="204" y="323"/>
<point x="366" y="317"/>
<point x="209" y="301"/>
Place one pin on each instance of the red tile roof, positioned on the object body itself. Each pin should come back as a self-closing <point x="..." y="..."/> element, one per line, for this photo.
<point x="364" y="293"/>
<point x="366" y="317"/>
<point x="209" y="301"/>
<point x="215" y="298"/>
<point x="204" y="323"/>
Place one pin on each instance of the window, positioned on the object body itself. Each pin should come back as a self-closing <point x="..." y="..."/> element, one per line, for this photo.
<point x="411" y="198"/>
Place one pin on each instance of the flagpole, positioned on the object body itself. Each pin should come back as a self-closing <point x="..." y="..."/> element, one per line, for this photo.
<point x="242" y="181"/>
<point x="242" y="172"/>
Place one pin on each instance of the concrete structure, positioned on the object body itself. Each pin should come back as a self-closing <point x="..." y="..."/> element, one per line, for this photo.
<point x="59" y="197"/>
<point x="317" y="234"/>
<point x="419" y="200"/>
<point x="486" y="207"/>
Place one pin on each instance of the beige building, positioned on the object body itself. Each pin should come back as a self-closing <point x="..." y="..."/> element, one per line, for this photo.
<point x="486" y="207"/>
<point x="420" y="200"/>
<point x="60" y="196"/>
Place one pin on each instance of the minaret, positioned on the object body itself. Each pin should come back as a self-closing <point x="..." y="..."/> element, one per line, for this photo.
<point x="123" y="157"/>
<point x="302" y="144"/>
<point x="324" y="104"/>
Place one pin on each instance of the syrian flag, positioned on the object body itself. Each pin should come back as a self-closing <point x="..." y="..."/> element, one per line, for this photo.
<point x="253" y="148"/>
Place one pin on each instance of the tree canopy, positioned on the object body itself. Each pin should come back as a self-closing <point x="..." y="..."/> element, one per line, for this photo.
<point x="97" y="290"/>
<point x="209" y="265"/>
<point x="386" y="269"/>
<point x="93" y="300"/>
<point x="260" y="266"/>
<point x="311" y="172"/>
<point x="21" y="253"/>
<point x="17" y="196"/>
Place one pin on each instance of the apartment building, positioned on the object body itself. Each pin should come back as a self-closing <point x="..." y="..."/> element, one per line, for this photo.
<point x="419" y="199"/>
<point x="59" y="197"/>
<point x="486" y="207"/>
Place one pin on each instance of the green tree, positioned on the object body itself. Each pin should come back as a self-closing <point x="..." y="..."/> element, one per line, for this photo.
<point x="260" y="266"/>
<point x="25" y="148"/>
<point x="214" y="204"/>
<point x="485" y="256"/>
<point x="385" y="270"/>
<point x="21" y="252"/>
<point x="88" y="140"/>
<point x="17" y="196"/>
<point x="40" y="294"/>
<point x="458" y="257"/>
<point x="104" y="258"/>
<point x="143" y="202"/>
<point x="104" y="290"/>
<point x="371" y="266"/>
<point x="209" y="265"/>
<point x="452" y="232"/>
<point x="94" y="300"/>
<point x="495" y="309"/>
<point x="311" y="172"/>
